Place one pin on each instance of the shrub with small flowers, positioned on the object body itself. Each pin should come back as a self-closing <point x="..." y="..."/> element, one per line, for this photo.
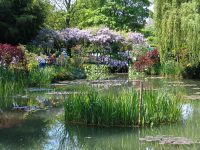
<point x="117" y="66"/>
<point x="96" y="40"/>
<point x="101" y="38"/>
<point x="12" y="56"/>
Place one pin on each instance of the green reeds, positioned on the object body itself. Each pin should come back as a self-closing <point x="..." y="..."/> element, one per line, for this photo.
<point x="171" y="68"/>
<point x="12" y="82"/>
<point x="41" y="76"/>
<point x="111" y="108"/>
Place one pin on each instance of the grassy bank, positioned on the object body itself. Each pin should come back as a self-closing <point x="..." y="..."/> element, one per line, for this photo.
<point x="121" y="108"/>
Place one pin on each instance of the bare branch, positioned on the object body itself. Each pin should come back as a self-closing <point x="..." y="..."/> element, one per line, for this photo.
<point x="62" y="4"/>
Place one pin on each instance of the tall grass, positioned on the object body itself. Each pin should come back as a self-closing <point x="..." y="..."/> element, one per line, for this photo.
<point x="171" y="68"/>
<point x="111" y="108"/>
<point x="41" y="76"/>
<point x="12" y="82"/>
<point x="133" y="74"/>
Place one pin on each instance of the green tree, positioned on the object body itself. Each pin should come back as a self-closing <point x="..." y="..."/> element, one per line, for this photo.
<point x="178" y="30"/>
<point x="21" y="19"/>
<point x="56" y="19"/>
<point x="65" y="6"/>
<point x="149" y="34"/>
<point x="116" y="14"/>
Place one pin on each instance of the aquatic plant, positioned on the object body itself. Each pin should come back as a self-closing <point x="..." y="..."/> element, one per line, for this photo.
<point x="41" y="76"/>
<point x="12" y="82"/>
<point x="121" y="108"/>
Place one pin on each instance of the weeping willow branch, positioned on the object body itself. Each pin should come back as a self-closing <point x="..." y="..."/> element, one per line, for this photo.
<point x="177" y="24"/>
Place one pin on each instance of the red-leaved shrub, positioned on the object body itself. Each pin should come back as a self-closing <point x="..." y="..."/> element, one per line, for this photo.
<point x="147" y="61"/>
<point x="11" y="55"/>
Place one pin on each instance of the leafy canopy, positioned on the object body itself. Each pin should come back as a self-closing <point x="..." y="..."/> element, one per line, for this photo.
<point x="118" y="14"/>
<point x="21" y="19"/>
<point x="115" y="14"/>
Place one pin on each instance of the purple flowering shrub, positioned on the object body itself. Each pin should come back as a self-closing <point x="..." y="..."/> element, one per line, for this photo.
<point x="118" y="66"/>
<point x="136" y="38"/>
<point x="102" y="37"/>
<point x="126" y="55"/>
<point x="105" y="36"/>
<point x="89" y="40"/>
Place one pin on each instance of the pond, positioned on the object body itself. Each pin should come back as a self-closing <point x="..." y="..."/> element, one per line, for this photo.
<point x="45" y="129"/>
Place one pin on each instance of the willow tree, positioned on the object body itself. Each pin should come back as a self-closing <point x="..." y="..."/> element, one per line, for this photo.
<point x="177" y="25"/>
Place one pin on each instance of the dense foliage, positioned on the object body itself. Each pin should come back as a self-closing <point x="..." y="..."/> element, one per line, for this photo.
<point x="55" y="20"/>
<point x="177" y="27"/>
<point x="149" y="34"/>
<point x="96" y="72"/>
<point x="192" y="72"/>
<point x="21" y="19"/>
<point x="120" y="14"/>
<point x="64" y="6"/>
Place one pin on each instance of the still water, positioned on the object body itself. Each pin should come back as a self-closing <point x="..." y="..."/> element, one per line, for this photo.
<point x="46" y="130"/>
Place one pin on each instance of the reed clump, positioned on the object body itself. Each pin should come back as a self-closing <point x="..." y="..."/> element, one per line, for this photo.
<point x="12" y="82"/>
<point x="121" y="108"/>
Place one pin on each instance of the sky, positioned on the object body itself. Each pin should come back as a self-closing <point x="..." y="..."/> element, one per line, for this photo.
<point x="151" y="7"/>
<point x="59" y="2"/>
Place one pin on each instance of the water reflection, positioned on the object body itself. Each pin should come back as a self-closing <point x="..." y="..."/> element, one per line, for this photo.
<point x="44" y="130"/>
<point x="28" y="132"/>
<point x="186" y="111"/>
